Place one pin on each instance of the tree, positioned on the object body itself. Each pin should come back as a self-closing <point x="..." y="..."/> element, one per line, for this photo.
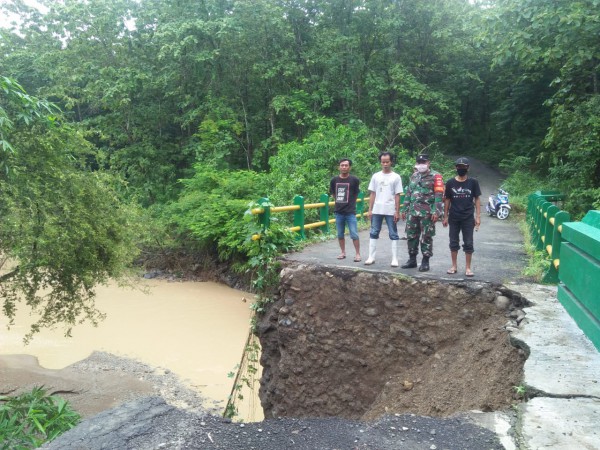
<point x="159" y="86"/>
<point x="63" y="229"/>
<point x="556" y="42"/>
<point x="306" y="167"/>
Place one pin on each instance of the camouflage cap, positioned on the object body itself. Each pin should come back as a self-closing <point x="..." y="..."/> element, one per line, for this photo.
<point x="422" y="157"/>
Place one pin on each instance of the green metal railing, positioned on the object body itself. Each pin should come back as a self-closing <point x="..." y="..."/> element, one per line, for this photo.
<point x="579" y="287"/>
<point x="545" y="225"/>
<point x="574" y="251"/>
<point x="265" y="210"/>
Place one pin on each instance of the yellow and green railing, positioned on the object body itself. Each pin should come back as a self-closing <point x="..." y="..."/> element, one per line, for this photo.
<point x="299" y="207"/>
<point x="545" y="225"/>
<point x="574" y="253"/>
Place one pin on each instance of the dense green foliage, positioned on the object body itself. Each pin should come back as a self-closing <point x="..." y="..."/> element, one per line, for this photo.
<point x="552" y="52"/>
<point x="63" y="229"/>
<point x="203" y="107"/>
<point x="212" y="206"/>
<point x="30" y="419"/>
<point x="160" y="86"/>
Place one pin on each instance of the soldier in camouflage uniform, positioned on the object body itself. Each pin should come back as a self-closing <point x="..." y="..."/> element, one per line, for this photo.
<point x="422" y="208"/>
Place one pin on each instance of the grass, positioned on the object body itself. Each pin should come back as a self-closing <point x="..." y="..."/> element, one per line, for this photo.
<point x="29" y="420"/>
<point x="537" y="260"/>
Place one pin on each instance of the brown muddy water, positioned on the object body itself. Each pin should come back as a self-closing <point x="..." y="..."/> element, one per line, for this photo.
<point x="195" y="329"/>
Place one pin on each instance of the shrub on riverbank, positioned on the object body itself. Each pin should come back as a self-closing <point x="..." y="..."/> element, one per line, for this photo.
<point x="33" y="418"/>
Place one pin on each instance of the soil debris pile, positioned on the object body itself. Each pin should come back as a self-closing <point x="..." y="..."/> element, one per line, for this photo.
<point x="355" y="344"/>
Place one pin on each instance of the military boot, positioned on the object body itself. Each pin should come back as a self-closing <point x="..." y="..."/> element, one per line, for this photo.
<point x="424" y="264"/>
<point x="411" y="263"/>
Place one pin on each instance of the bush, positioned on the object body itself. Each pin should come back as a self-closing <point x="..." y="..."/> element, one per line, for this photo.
<point x="31" y="419"/>
<point x="212" y="206"/>
<point x="305" y="168"/>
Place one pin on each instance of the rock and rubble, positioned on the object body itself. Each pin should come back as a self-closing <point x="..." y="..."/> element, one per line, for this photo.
<point x="356" y="344"/>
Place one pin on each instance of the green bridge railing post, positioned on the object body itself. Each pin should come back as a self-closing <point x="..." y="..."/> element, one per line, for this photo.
<point x="544" y="223"/>
<point x="532" y="214"/>
<point x="539" y="223"/>
<point x="360" y="206"/>
<point x="324" y="213"/>
<point x="265" y="217"/>
<point x="299" y="216"/>
<point x="551" y="275"/>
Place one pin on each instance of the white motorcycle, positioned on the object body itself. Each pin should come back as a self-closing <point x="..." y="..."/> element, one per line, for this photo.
<point x="498" y="205"/>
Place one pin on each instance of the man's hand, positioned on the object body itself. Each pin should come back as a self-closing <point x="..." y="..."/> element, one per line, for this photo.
<point x="396" y="217"/>
<point x="434" y="217"/>
<point x="445" y="222"/>
<point x="403" y="215"/>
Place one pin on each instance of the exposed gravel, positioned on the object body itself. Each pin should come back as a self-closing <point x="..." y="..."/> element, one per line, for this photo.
<point x="174" y="418"/>
<point x="150" y="423"/>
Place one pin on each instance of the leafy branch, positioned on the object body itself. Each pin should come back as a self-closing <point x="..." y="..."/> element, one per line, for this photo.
<point x="263" y="248"/>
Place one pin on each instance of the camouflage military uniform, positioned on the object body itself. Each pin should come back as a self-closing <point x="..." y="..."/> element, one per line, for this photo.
<point x="420" y="203"/>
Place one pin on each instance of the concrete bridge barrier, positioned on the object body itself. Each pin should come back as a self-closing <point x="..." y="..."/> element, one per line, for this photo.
<point x="579" y="274"/>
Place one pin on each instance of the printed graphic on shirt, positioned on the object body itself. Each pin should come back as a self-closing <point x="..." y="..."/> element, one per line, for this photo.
<point x="384" y="185"/>
<point x="342" y="194"/>
<point x="461" y="192"/>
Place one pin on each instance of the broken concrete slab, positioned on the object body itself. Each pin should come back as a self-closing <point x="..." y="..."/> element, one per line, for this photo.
<point x="562" y="360"/>
<point x="562" y="372"/>
<point x="499" y="422"/>
<point x="561" y="423"/>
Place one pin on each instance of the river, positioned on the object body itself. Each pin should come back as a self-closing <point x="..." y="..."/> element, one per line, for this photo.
<point x="195" y="329"/>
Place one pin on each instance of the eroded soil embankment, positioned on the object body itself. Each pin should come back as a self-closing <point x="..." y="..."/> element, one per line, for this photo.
<point x="355" y="344"/>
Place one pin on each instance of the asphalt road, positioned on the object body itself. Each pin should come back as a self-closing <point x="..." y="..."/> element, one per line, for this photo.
<point x="499" y="253"/>
<point x="149" y="423"/>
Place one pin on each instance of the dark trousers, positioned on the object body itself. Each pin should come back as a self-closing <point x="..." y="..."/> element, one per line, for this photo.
<point x="466" y="226"/>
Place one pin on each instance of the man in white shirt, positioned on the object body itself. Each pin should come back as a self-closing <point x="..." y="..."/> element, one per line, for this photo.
<point x="384" y="203"/>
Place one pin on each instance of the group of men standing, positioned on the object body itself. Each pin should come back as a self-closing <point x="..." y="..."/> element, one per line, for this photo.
<point x="426" y="201"/>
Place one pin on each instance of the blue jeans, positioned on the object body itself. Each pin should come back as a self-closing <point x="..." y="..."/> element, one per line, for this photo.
<point x="377" y="221"/>
<point x="340" y="223"/>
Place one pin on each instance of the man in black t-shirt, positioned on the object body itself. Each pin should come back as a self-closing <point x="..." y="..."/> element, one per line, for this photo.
<point x="344" y="188"/>
<point x="462" y="211"/>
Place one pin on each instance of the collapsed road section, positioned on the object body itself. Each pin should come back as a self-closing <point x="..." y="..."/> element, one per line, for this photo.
<point x="355" y="344"/>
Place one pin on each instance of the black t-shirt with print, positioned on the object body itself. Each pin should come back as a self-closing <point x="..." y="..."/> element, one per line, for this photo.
<point x="345" y="193"/>
<point x="461" y="195"/>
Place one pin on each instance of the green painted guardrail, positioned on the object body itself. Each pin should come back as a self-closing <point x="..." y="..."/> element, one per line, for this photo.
<point x="579" y="287"/>
<point x="265" y="210"/>
<point x="574" y="251"/>
<point x="545" y="225"/>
